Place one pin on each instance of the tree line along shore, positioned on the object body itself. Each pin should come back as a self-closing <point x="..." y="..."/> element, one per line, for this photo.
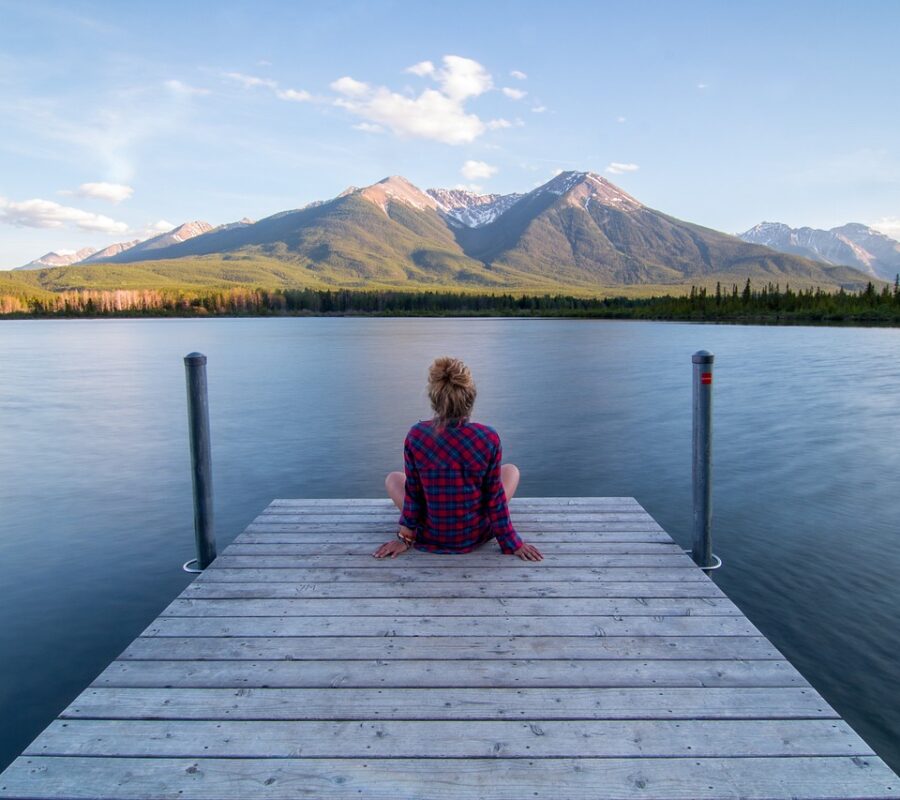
<point x="766" y="303"/>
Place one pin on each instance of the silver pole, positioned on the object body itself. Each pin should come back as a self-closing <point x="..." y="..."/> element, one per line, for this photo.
<point x="702" y="459"/>
<point x="201" y="461"/>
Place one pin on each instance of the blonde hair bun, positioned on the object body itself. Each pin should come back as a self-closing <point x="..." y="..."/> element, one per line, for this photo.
<point x="450" y="389"/>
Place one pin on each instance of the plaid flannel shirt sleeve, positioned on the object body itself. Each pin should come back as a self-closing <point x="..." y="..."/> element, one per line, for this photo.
<point x="413" y="512"/>
<point x="497" y="509"/>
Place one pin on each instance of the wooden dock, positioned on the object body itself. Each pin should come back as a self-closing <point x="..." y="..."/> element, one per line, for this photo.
<point x="299" y="666"/>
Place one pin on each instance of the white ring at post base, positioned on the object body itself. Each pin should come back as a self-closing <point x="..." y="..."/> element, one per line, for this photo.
<point x="714" y="566"/>
<point x="185" y="567"/>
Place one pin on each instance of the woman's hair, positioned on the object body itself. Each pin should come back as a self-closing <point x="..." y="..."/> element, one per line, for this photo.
<point x="451" y="390"/>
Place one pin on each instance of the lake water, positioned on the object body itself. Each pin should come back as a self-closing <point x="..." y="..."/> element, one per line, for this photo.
<point x="96" y="491"/>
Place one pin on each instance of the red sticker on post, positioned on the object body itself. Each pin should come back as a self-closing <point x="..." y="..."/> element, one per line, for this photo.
<point x="706" y="377"/>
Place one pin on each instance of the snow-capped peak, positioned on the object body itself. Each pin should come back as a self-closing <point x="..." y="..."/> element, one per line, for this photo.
<point x="580" y="188"/>
<point x="462" y="207"/>
<point x="395" y="189"/>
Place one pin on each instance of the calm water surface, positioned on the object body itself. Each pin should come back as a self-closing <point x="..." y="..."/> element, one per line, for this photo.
<point x="96" y="493"/>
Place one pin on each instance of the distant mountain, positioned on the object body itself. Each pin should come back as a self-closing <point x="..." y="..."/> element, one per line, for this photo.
<point x="472" y="210"/>
<point x="61" y="258"/>
<point x="109" y="252"/>
<point x="854" y="245"/>
<point x="577" y="230"/>
<point x="147" y="248"/>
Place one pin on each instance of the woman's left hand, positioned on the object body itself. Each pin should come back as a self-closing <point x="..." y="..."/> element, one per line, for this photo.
<point x="393" y="549"/>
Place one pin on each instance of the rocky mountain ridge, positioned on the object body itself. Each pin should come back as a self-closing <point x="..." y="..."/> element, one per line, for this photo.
<point x="854" y="245"/>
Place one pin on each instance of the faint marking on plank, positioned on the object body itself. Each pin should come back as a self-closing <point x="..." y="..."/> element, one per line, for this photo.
<point x="490" y="779"/>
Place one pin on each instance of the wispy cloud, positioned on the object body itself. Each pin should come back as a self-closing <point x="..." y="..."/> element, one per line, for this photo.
<point x="513" y="94"/>
<point x="154" y="229"/>
<point x="184" y="89"/>
<point x="702" y="85"/>
<point x="618" y="168"/>
<point x="111" y="192"/>
<point x="47" y="214"/>
<point x="538" y="109"/>
<point x="438" y="114"/>
<point x="250" y="81"/>
<point x="620" y="120"/>
<point x="422" y="69"/>
<point x="477" y="170"/>
<point x="518" y="75"/>
<point x="368" y="127"/>
<point x="889" y="226"/>
<point x="255" y="82"/>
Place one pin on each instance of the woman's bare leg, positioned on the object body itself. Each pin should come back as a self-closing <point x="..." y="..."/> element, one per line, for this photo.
<point x="395" y="483"/>
<point x="509" y="477"/>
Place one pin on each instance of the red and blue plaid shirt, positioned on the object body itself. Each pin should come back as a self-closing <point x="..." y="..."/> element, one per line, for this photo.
<point x="454" y="497"/>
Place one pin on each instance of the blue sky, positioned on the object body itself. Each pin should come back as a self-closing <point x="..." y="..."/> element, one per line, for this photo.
<point x="118" y="118"/>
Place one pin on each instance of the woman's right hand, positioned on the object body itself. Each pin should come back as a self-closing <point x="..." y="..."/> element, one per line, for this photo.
<point x="393" y="549"/>
<point x="528" y="552"/>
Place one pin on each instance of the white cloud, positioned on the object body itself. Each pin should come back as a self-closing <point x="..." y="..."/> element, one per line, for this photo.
<point x="518" y="75"/>
<point x="473" y="170"/>
<point x="181" y="88"/>
<point x="350" y="87"/>
<point x="112" y="192"/>
<point x="498" y="124"/>
<point x="437" y="114"/>
<point x="513" y="94"/>
<point x="469" y="187"/>
<point x="889" y="226"/>
<point x="618" y="168"/>
<point x="250" y="81"/>
<point x="538" y="109"/>
<point x="47" y="214"/>
<point x="620" y="120"/>
<point x="296" y="95"/>
<point x="368" y="127"/>
<point x="462" y="78"/>
<point x="702" y="85"/>
<point x="155" y="229"/>
<point x="263" y="63"/>
<point x="422" y="68"/>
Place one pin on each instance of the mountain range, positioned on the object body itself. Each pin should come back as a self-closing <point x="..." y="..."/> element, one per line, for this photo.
<point x="854" y="245"/>
<point x="578" y="230"/>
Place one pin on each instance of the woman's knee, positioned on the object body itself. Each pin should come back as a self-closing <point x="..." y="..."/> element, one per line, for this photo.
<point x="394" y="479"/>
<point x="509" y="476"/>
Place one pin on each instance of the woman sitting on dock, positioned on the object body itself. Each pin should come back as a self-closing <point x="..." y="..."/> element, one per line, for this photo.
<point x="453" y="495"/>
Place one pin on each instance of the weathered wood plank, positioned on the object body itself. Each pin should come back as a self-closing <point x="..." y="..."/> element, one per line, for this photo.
<point x="449" y="738"/>
<point x="450" y="589"/>
<point x="470" y="704"/>
<point x="526" y="528"/>
<point x="593" y="626"/>
<point x="530" y="572"/>
<point x="516" y="502"/>
<point x="492" y="559"/>
<point x="432" y="674"/>
<point x="759" y="778"/>
<point x="366" y="546"/>
<point x="560" y="542"/>
<point x="559" y="519"/>
<point x="452" y="647"/>
<point x="450" y="606"/>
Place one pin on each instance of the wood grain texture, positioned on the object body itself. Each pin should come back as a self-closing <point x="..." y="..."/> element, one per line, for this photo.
<point x="297" y="665"/>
